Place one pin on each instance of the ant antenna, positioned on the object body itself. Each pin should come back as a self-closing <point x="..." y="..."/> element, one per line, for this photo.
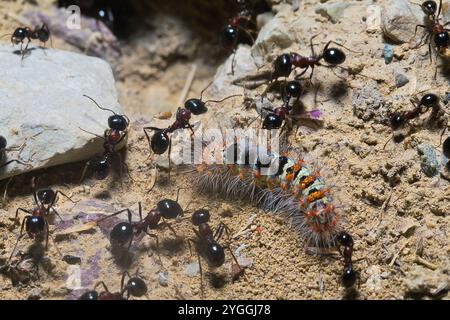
<point x="201" y="93"/>
<point x="106" y="109"/>
<point x="218" y="101"/>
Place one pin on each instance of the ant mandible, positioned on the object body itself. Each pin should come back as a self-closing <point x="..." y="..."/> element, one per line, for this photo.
<point x="435" y="29"/>
<point x="134" y="287"/>
<point x="35" y="222"/>
<point x="123" y="233"/>
<point x="206" y="242"/>
<point x="118" y="130"/>
<point x="160" y="141"/>
<point x="349" y="275"/>
<point x="19" y="35"/>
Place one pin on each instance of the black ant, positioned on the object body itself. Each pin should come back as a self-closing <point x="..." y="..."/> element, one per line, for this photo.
<point x="160" y="141"/>
<point x="123" y="233"/>
<point x="134" y="287"/>
<point x="275" y="118"/>
<point x="118" y="130"/>
<point x="435" y="29"/>
<point x="206" y="243"/>
<point x="3" y="149"/>
<point x="230" y="34"/>
<point x="428" y="101"/>
<point x="349" y="275"/>
<point x="35" y="222"/>
<point x="19" y="35"/>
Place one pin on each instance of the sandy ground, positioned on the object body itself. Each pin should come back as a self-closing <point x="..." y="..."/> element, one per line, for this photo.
<point x="397" y="215"/>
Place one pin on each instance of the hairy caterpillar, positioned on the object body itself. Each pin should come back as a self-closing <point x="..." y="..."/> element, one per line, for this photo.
<point x="276" y="183"/>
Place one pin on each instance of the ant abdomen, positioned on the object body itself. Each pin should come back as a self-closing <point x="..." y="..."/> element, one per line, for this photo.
<point x="160" y="142"/>
<point x="169" y="209"/>
<point x="334" y="56"/>
<point x="121" y="234"/>
<point x="282" y="66"/>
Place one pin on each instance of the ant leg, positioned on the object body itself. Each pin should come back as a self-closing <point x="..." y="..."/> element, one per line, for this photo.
<point x="233" y="61"/>
<point x="312" y="44"/>
<point x="86" y="166"/>
<point x="47" y="233"/>
<point x="56" y="212"/>
<point x="122" y="137"/>
<point x="26" y="48"/>
<point x="440" y="9"/>
<point x="115" y="214"/>
<point x="140" y="213"/>
<point x="70" y="199"/>
<point x="169" y="226"/>
<point x="122" y="282"/>
<point x="201" y="274"/>
<point x="170" y="149"/>
<point x="227" y="231"/>
<point x="103" y="284"/>
<point x="311" y="76"/>
<point x="429" y="51"/>
<point x="17" y="213"/>
<point x="98" y="136"/>
<point x="157" y="244"/>
<point x="297" y="77"/>
<point x="14" y="160"/>
<point x="124" y="164"/>
<point x="21" y="234"/>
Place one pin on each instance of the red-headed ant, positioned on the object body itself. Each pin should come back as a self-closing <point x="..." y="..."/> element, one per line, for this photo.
<point x="123" y="233"/>
<point x="135" y="287"/>
<point x="435" y="30"/>
<point x="206" y="243"/>
<point x="427" y="102"/>
<point x="160" y="141"/>
<point x="349" y="275"/>
<point x="118" y="130"/>
<point x="21" y="34"/>
<point x="35" y="223"/>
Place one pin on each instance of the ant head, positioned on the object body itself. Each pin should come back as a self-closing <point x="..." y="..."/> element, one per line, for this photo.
<point x="121" y="234"/>
<point x="19" y="35"/>
<point x="446" y="148"/>
<point x="429" y="100"/>
<point x="101" y="167"/>
<point x="282" y="66"/>
<point x="183" y="115"/>
<point x="229" y="36"/>
<point x="293" y="89"/>
<point x="442" y="39"/>
<point x="429" y="7"/>
<point x="348" y="277"/>
<point x="272" y="121"/>
<point x="345" y="239"/>
<point x="169" y="209"/>
<point x="200" y="216"/>
<point x="160" y="142"/>
<point x="397" y="120"/>
<point x="118" y="122"/>
<point x="35" y="225"/>
<point x="215" y="255"/>
<point x="136" y="287"/>
<point x="196" y="106"/>
<point x="90" y="295"/>
<point x="334" y="56"/>
<point x="3" y="143"/>
<point x="45" y="196"/>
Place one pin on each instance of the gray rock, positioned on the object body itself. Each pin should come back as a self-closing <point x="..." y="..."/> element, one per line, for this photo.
<point x="388" y="53"/>
<point x="192" y="269"/>
<point x="367" y="102"/>
<point x="400" y="79"/>
<point x="163" y="279"/>
<point x="275" y="34"/>
<point x="42" y="106"/>
<point x="398" y="20"/>
<point x="429" y="163"/>
<point x="333" y="11"/>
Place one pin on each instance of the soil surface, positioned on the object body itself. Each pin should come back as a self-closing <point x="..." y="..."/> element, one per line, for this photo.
<point x="398" y="216"/>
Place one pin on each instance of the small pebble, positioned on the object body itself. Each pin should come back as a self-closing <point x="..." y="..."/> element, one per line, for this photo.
<point x="429" y="163"/>
<point x="400" y="80"/>
<point x="192" y="269"/>
<point x="163" y="279"/>
<point x="388" y="53"/>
